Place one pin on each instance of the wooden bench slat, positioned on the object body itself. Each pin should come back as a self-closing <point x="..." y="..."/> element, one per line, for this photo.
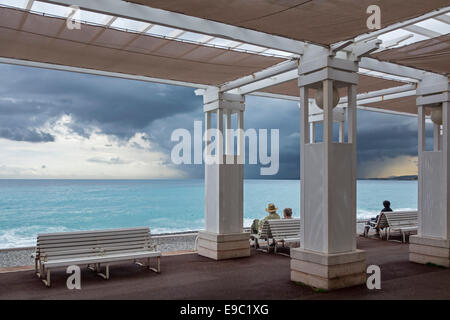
<point x="87" y="242"/>
<point x="118" y="230"/>
<point x="89" y="236"/>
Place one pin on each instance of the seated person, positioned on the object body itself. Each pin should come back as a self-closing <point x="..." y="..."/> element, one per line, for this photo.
<point x="287" y="213"/>
<point x="272" y="210"/>
<point x="257" y="224"/>
<point x="387" y="208"/>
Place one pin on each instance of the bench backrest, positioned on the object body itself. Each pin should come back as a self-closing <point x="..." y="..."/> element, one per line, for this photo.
<point x="402" y="218"/>
<point x="265" y="231"/>
<point x="284" y="228"/>
<point x="382" y="221"/>
<point x="64" y="245"/>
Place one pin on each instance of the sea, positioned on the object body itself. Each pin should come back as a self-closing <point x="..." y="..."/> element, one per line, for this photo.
<point x="29" y="207"/>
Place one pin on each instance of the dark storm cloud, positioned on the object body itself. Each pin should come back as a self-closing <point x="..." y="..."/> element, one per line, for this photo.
<point x="31" y="97"/>
<point x="117" y="107"/>
<point x="24" y="134"/>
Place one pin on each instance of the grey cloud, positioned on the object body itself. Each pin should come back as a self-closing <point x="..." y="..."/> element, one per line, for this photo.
<point x="24" y="134"/>
<point x="114" y="160"/>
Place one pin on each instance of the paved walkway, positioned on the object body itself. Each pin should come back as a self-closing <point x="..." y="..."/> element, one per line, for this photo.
<point x="261" y="276"/>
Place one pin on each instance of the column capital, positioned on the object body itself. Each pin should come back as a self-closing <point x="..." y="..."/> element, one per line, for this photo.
<point x="213" y="100"/>
<point x="342" y="71"/>
<point x="433" y="90"/>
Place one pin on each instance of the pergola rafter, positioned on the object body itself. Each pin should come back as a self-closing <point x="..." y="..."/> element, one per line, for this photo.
<point x="184" y="22"/>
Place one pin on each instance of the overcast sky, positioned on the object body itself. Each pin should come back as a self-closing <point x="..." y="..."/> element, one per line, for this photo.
<point x="57" y="124"/>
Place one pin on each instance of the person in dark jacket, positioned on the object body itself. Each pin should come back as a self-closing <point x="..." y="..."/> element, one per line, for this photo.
<point x="386" y="208"/>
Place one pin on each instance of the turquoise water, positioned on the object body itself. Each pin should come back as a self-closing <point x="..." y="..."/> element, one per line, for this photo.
<point x="28" y="207"/>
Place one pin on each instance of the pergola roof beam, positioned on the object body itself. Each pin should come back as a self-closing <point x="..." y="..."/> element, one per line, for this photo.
<point x="184" y="22"/>
<point x="266" y="83"/>
<point x="360" y="103"/>
<point x="383" y="92"/>
<point x="398" y="113"/>
<point x="50" y="66"/>
<point x="422" y="31"/>
<point x="391" y="68"/>
<point x="261" y="75"/>
<point x="393" y="42"/>
<point x="443" y="18"/>
<point x="403" y="24"/>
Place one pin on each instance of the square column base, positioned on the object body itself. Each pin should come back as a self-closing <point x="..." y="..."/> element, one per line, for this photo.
<point x="328" y="271"/>
<point x="426" y="250"/>
<point x="223" y="246"/>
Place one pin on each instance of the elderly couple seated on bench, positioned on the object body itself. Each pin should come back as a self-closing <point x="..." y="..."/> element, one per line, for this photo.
<point x="93" y="248"/>
<point x="274" y="229"/>
<point x="404" y="222"/>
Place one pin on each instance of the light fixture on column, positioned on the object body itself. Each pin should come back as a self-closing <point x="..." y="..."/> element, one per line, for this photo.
<point x="319" y="97"/>
<point x="436" y="115"/>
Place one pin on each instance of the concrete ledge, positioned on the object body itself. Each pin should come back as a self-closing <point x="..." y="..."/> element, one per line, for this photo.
<point x="223" y="237"/>
<point x="223" y="255"/>
<point x="428" y="241"/>
<point x="328" y="259"/>
<point x="219" y="246"/>
<point x="424" y="259"/>
<point x="223" y="246"/>
<point x="328" y="271"/>
<point x="426" y="250"/>
<point x="430" y="250"/>
<point x="328" y="284"/>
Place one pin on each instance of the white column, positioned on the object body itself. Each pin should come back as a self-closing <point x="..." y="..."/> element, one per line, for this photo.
<point x="432" y="243"/>
<point x="327" y="257"/>
<point x="341" y="131"/>
<point x="312" y="132"/>
<point x="304" y="115"/>
<point x="352" y="123"/>
<point x="446" y="156"/>
<point x="228" y="144"/>
<point x="223" y="237"/>
<point x="436" y="137"/>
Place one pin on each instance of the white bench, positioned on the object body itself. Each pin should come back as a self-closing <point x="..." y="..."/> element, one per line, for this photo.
<point x="379" y="224"/>
<point x="280" y="231"/>
<point x="402" y="221"/>
<point x="284" y="230"/>
<point x="93" y="248"/>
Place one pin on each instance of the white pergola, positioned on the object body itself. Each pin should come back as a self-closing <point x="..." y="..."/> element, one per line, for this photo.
<point x="229" y="50"/>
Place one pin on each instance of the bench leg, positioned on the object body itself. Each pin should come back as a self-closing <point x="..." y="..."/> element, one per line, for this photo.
<point x="47" y="280"/>
<point x="41" y="270"/>
<point x="103" y="275"/>
<point x="158" y="267"/>
<point x="38" y="267"/>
